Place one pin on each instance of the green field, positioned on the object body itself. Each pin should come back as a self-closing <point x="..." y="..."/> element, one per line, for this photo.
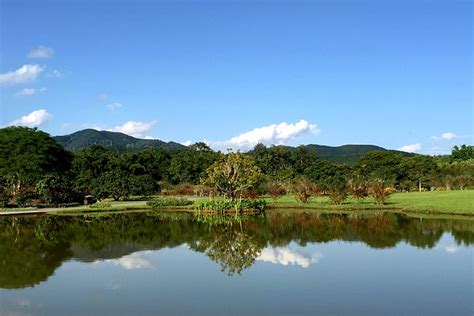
<point x="449" y="202"/>
<point x="437" y="202"/>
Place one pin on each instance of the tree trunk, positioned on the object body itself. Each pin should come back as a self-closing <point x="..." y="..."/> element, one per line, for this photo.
<point x="419" y="185"/>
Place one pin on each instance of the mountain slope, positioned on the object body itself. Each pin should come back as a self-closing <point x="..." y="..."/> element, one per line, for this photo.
<point x="348" y="154"/>
<point x="111" y="140"/>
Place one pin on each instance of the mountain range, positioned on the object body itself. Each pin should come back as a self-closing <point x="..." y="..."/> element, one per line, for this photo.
<point x="347" y="154"/>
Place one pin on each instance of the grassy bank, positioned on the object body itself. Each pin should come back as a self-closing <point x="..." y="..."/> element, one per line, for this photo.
<point x="438" y="202"/>
<point x="448" y="202"/>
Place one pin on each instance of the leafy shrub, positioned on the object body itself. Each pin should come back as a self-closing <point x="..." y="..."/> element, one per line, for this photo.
<point x="379" y="192"/>
<point x="101" y="205"/>
<point x="359" y="188"/>
<point x="223" y="205"/>
<point x="204" y="190"/>
<point x="168" y="201"/>
<point x="251" y="194"/>
<point x="304" y="189"/>
<point x="276" y="190"/>
<point x="337" y="189"/>
<point x="25" y="197"/>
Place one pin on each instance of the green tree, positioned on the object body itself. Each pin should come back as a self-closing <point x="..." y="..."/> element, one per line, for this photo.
<point x="27" y="155"/>
<point x="382" y="165"/>
<point x="233" y="174"/>
<point x="419" y="169"/>
<point x="462" y="153"/>
<point x="338" y="189"/>
<point x="188" y="166"/>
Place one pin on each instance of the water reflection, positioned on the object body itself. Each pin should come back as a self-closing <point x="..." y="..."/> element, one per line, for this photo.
<point x="288" y="256"/>
<point x="32" y="249"/>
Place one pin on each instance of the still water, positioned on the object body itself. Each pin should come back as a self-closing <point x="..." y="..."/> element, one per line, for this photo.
<point x="283" y="263"/>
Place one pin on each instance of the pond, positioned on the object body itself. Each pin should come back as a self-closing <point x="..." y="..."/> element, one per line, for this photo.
<point x="279" y="263"/>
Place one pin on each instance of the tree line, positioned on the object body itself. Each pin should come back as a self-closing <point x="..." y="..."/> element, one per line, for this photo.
<point x="35" y="169"/>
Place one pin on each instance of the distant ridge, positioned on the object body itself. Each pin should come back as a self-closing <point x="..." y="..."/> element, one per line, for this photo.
<point x="111" y="140"/>
<point x="347" y="154"/>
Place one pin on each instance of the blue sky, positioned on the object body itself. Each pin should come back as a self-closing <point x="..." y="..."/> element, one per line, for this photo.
<point x="390" y="73"/>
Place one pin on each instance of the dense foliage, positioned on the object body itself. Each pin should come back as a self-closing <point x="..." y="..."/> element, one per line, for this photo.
<point x="35" y="169"/>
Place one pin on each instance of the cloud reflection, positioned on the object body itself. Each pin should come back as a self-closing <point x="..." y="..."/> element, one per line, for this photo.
<point x="287" y="256"/>
<point x="133" y="261"/>
<point x="451" y="248"/>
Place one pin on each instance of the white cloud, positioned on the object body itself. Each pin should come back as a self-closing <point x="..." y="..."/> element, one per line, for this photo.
<point x="272" y="134"/>
<point x="448" y="136"/>
<point x="30" y="91"/>
<point x="114" y="106"/>
<point x="133" y="128"/>
<point x="24" y="74"/>
<point x="187" y="143"/>
<point x="445" y="136"/>
<point x="54" y="74"/>
<point x="34" y="119"/>
<point x="41" y="52"/>
<point x="286" y="256"/>
<point x="410" y="148"/>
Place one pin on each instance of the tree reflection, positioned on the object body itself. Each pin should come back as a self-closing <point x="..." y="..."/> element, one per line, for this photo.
<point x="32" y="248"/>
<point x="234" y="249"/>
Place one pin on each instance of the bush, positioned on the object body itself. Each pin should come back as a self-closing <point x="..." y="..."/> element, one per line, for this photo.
<point x="304" y="189"/>
<point x="204" y="190"/>
<point x="180" y="189"/>
<point x="25" y="197"/>
<point x="168" y="201"/>
<point x="359" y="188"/>
<point x="338" y="190"/>
<point x="379" y="192"/>
<point x="101" y="205"/>
<point x="223" y="205"/>
<point x="276" y="190"/>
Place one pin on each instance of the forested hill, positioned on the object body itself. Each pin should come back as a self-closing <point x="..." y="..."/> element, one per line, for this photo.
<point x="111" y="140"/>
<point x="348" y="154"/>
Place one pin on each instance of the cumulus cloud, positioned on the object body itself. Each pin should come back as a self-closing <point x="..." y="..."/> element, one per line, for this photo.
<point x="114" y="106"/>
<point x="287" y="256"/>
<point x="412" y="148"/>
<point x="134" y="128"/>
<point x="34" y="119"/>
<point x="187" y="143"/>
<point x="24" y="74"/>
<point x="30" y="91"/>
<point x="445" y="136"/>
<point x="41" y="52"/>
<point x="271" y="134"/>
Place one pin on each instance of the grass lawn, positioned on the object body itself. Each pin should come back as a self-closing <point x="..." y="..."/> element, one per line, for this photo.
<point x="437" y="202"/>
<point x="455" y="202"/>
<point x="448" y="202"/>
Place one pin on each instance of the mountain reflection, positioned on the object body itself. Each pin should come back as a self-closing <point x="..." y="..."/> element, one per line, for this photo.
<point x="32" y="248"/>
